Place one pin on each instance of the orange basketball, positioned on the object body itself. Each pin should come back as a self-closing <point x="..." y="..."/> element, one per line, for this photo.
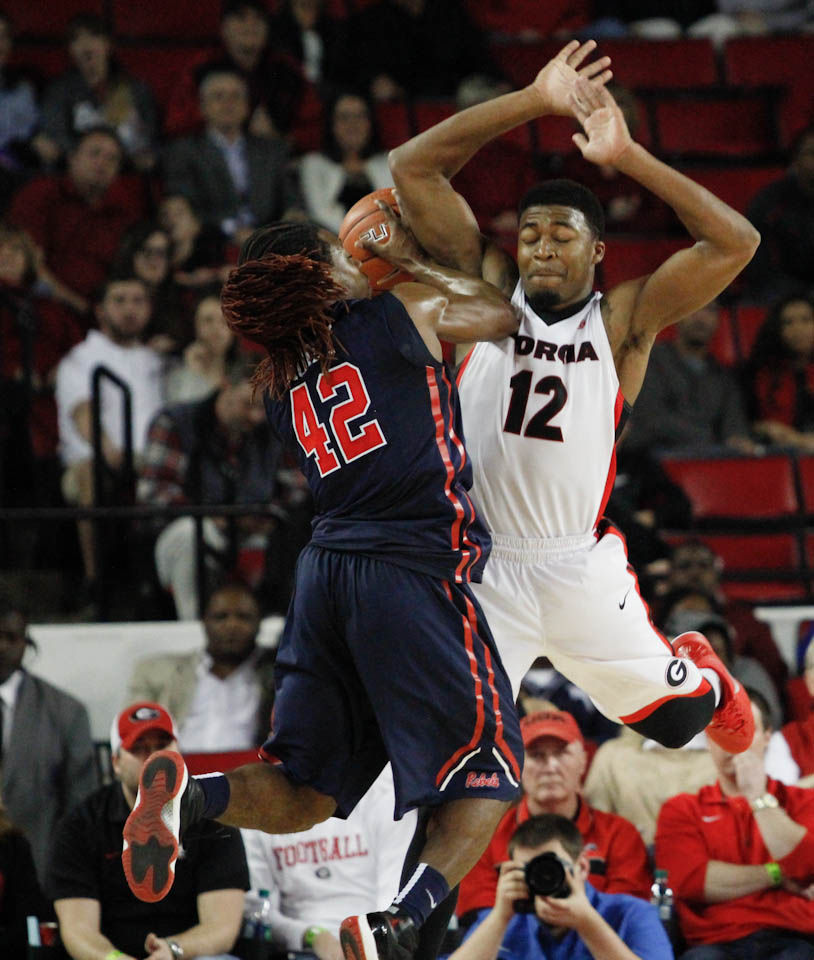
<point x="365" y="220"/>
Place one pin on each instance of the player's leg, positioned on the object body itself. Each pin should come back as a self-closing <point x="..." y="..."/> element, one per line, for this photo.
<point x="602" y="639"/>
<point x="320" y="717"/>
<point x="460" y="753"/>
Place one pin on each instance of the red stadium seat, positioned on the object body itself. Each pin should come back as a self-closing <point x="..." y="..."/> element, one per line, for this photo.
<point x="48" y="19"/>
<point x="805" y="466"/>
<point x="764" y="591"/>
<point x="393" y="123"/>
<point x="520" y="62"/>
<point x="160" y="67"/>
<point x="44" y="62"/>
<point x="662" y="63"/>
<point x="553" y="134"/>
<point x="178" y="20"/>
<point x="756" y="61"/>
<point x="629" y="257"/>
<point x="429" y="112"/>
<point x="735" y="185"/>
<point x="755" y="551"/>
<point x="520" y="16"/>
<point x="729" y="125"/>
<point x="735" y="488"/>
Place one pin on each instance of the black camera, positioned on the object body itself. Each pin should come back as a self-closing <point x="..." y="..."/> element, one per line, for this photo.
<point x="546" y="876"/>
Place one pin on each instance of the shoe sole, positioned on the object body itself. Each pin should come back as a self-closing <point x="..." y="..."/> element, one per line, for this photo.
<point x="357" y="939"/>
<point x="152" y="829"/>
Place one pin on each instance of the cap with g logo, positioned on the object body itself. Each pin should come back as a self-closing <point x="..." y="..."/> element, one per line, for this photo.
<point x="136" y="720"/>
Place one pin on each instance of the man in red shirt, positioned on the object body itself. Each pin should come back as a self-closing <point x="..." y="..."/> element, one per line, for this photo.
<point x="740" y="859"/>
<point x="78" y="219"/>
<point x="552" y="778"/>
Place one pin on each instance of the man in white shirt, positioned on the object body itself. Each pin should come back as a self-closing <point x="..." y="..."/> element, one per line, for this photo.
<point x="123" y="312"/>
<point x="337" y="868"/>
<point x="221" y="696"/>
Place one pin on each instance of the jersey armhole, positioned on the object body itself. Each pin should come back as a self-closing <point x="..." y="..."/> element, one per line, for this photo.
<point x="406" y="338"/>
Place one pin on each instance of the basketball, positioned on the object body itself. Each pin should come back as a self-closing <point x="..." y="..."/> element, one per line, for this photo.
<point x="364" y="221"/>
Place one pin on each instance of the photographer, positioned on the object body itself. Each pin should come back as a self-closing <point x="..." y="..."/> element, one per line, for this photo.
<point x="572" y="920"/>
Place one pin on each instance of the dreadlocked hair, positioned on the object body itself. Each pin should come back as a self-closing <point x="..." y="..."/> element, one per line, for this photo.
<point x="280" y="296"/>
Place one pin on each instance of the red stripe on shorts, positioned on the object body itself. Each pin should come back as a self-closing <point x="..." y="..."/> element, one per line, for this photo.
<point x="478" y="685"/>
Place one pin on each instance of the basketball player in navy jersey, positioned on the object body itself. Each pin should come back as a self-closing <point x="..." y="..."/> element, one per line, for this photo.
<point x="385" y="653"/>
<point x="543" y="407"/>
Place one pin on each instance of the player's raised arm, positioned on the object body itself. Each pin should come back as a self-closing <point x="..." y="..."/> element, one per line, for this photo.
<point x="725" y="241"/>
<point x="443" y="302"/>
<point x="422" y="167"/>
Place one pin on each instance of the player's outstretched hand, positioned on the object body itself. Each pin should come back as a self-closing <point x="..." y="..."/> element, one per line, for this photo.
<point x="395" y="243"/>
<point x="555" y="82"/>
<point x="606" y="136"/>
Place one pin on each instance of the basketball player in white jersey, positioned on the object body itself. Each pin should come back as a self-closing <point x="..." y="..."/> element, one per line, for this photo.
<point x="542" y="408"/>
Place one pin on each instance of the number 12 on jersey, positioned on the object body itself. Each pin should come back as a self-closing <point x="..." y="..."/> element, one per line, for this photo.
<point x="340" y="441"/>
<point x="539" y="425"/>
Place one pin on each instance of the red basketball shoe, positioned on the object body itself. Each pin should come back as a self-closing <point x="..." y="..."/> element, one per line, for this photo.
<point x="152" y="832"/>
<point x="378" y="936"/>
<point x="732" y="726"/>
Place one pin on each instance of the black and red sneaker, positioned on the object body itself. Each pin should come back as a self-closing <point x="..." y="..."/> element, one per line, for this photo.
<point x="733" y="725"/>
<point x="152" y="833"/>
<point x="378" y="936"/>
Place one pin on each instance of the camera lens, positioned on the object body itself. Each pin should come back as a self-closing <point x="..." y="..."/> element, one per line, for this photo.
<point x="545" y="876"/>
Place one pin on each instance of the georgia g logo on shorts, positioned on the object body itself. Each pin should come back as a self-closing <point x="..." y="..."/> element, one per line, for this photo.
<point x="676" y="673"/>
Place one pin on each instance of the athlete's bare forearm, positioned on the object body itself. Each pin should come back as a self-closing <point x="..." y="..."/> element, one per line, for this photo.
<point x="444" y="149"/>
<point x="702" y="213"/>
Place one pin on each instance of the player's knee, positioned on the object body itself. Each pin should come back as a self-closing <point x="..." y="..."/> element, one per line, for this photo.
<point x="677" y="721"/>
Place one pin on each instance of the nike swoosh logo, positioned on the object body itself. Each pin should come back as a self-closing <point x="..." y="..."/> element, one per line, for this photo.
<point x="433" y="904"/>
<point x="622" y="604"/>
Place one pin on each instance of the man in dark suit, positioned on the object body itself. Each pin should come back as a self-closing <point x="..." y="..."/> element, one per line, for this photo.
<point x="237" y="180"/>
<point x="47" y="763"/>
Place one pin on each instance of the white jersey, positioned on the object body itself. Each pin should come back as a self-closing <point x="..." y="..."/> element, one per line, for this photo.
<point x="540" y="412"/>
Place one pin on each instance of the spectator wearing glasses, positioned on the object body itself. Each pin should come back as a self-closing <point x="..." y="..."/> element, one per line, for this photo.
<point x="146" y="252"/>
<point x="554" y="766"/>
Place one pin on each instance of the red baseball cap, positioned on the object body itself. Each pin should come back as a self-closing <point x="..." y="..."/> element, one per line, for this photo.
<point x="138" y="719"/>
<point x="550" y="723"/>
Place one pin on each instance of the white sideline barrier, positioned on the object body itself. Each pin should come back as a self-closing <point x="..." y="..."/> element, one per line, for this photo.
<point x="94" y="661"/>
<point x="784" y="623"/>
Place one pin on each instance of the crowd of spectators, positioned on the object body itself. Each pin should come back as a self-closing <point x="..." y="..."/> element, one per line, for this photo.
<point x="120" y="216"/>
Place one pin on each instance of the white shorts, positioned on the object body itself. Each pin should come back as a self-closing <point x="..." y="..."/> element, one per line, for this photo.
<point x="576" y="601"/>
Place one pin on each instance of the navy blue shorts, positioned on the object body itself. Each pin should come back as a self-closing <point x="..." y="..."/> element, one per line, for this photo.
<point x="377" y="663"/>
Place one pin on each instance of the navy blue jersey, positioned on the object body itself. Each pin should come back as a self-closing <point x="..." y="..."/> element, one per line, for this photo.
<point x="380" y="441"/>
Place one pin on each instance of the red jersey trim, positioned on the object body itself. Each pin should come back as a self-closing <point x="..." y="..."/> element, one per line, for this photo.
<point x="617" y="413"/>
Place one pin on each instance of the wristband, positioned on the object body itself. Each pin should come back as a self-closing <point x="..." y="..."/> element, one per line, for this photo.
<point x="113" y="954"/>
<point x="310" y="935"/>
<point x="775" y="873"/>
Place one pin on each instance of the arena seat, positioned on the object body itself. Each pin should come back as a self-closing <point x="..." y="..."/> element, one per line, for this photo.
<point x="43" y="61"/>
<point x="426" y="113"/>
<point x="786" y="60"/>
<point x="765" y="591"/>
<point x="160" y="66"/>
<point x="629" y="257"/>
<point x="735" y="185"/>
<point x="393" y="123"/>
<point x="553" y="135"/>
<point x="48" y="20"/>
<point x="521" y="16"/>
<point x="654" y="64"/>
<point x="728" y="123"/>
<point x="737" y="488"/>
<point x="520" y="62"/>
<point x="805" y="467"/>
<point x="178" y="20"/>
